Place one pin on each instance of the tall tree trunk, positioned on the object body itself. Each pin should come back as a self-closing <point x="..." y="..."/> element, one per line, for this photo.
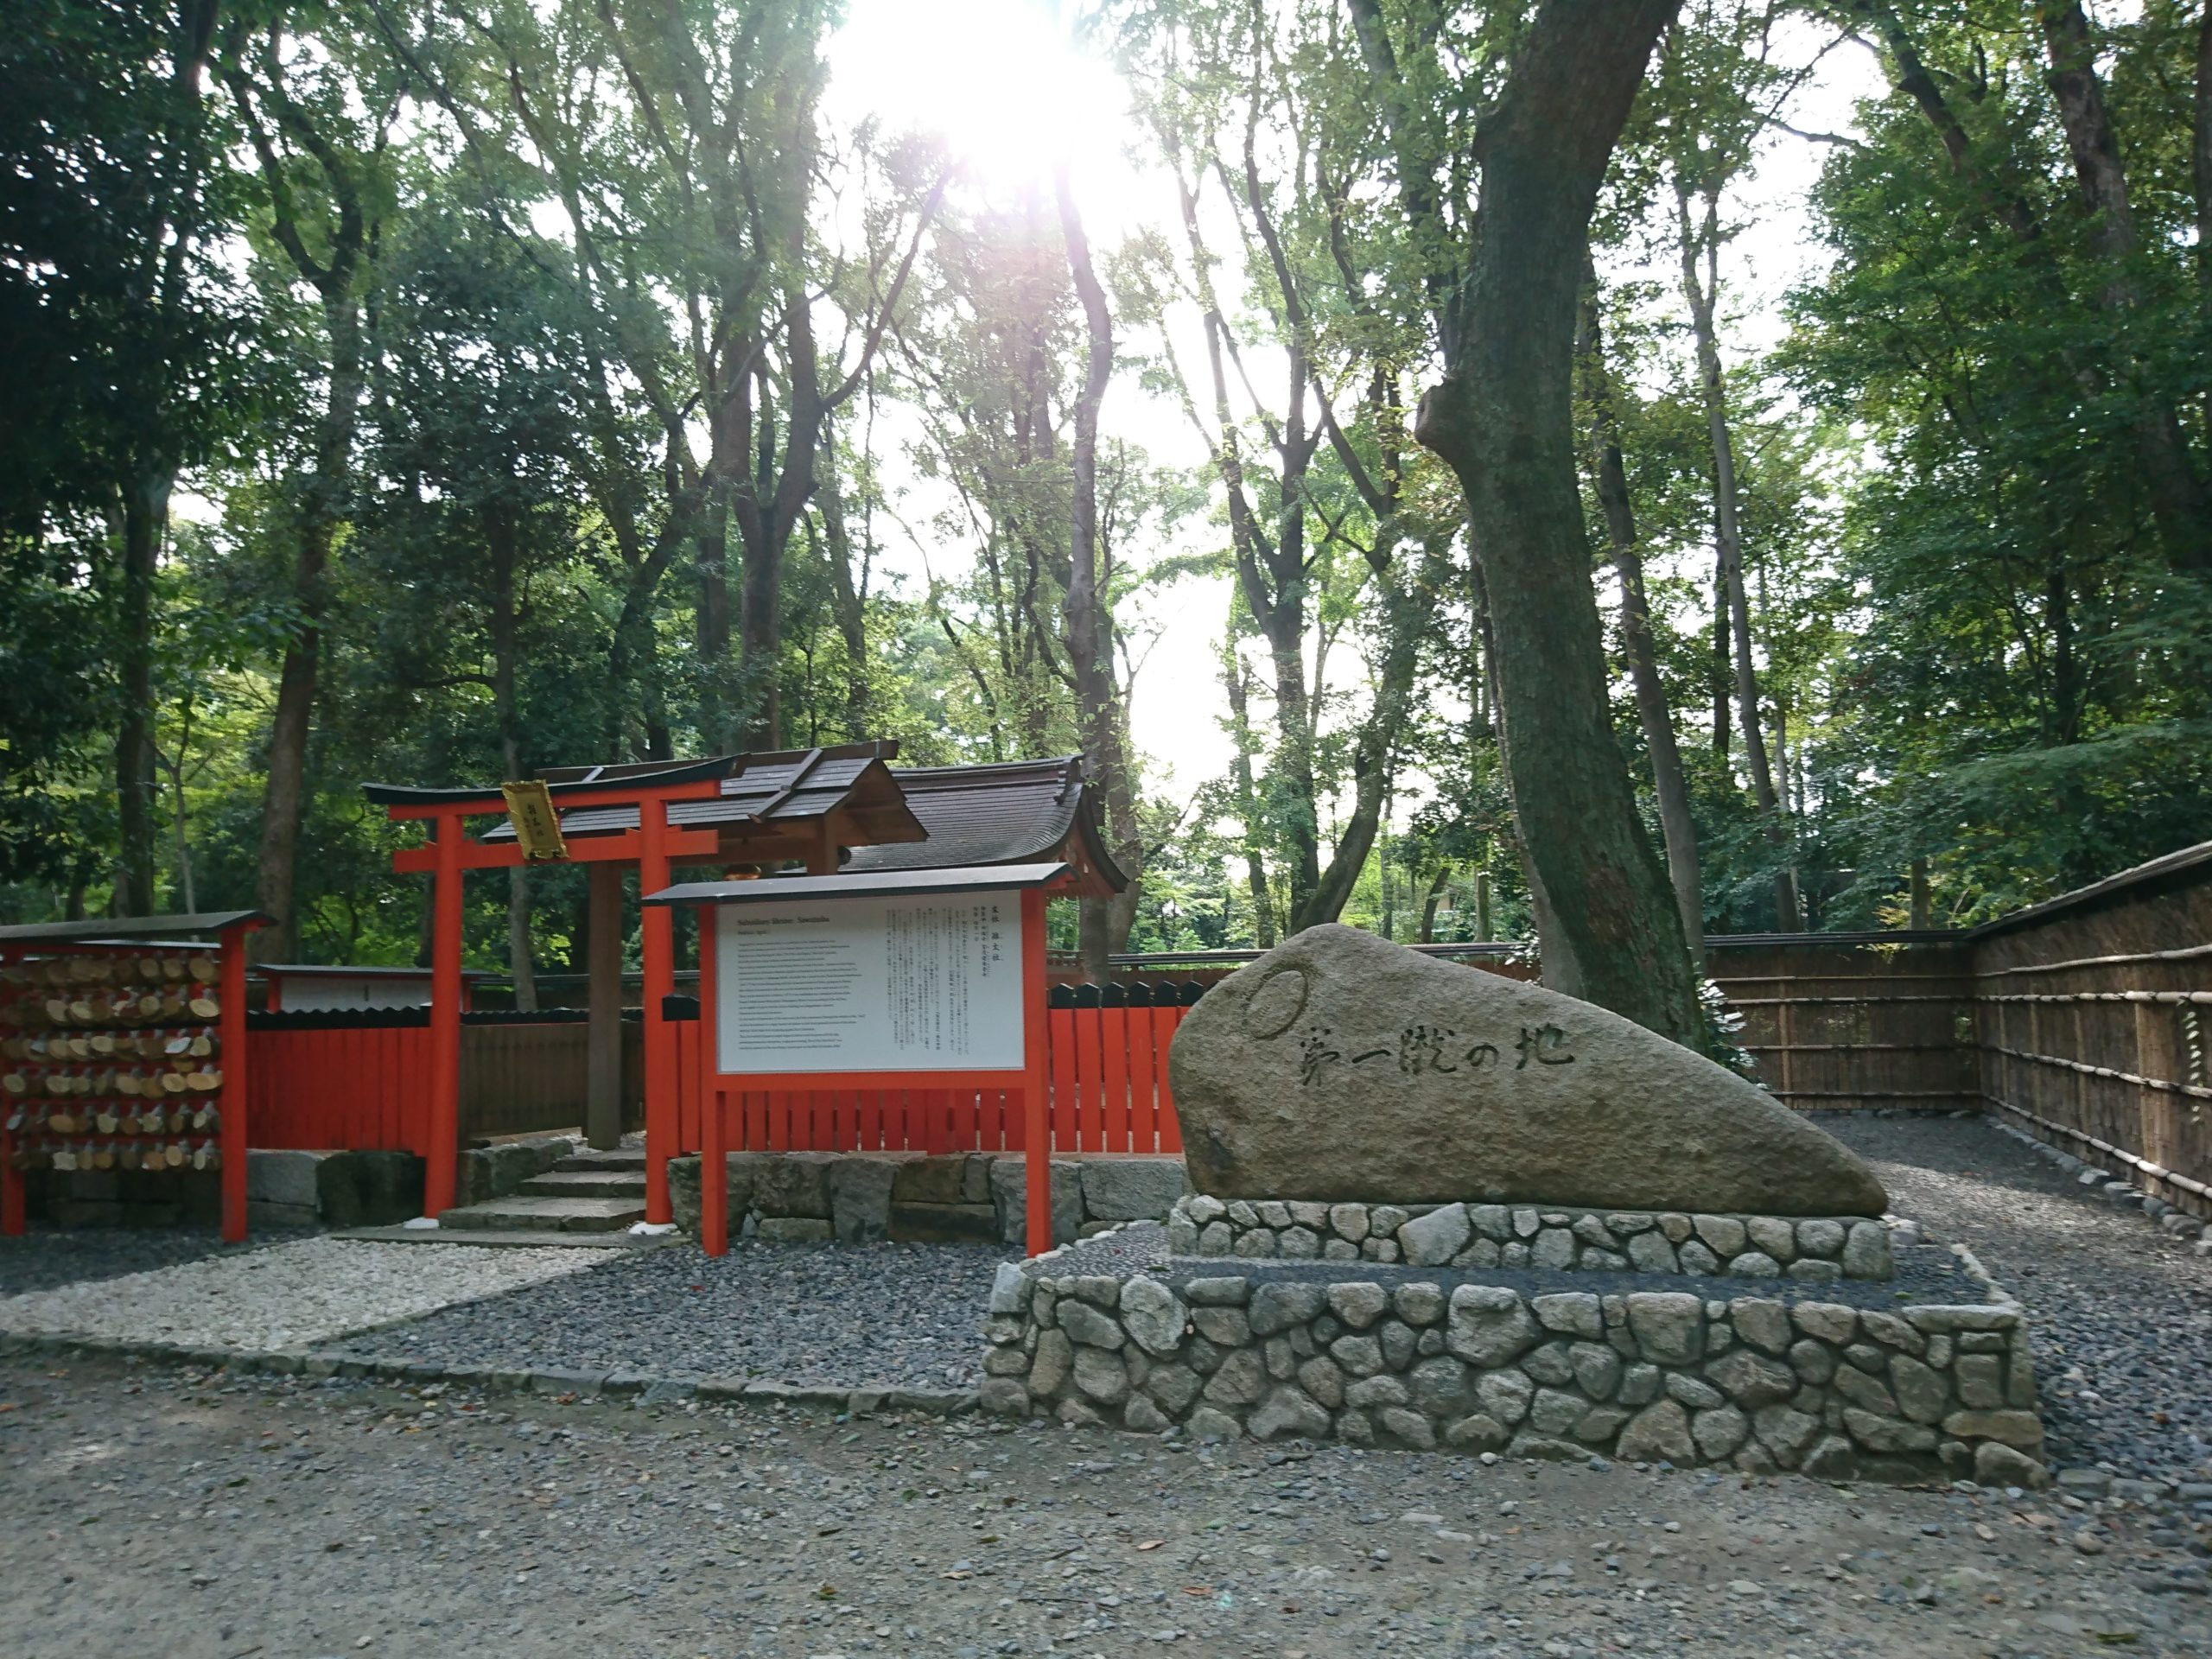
<point x="1248" y="797"/>
<point x="334" y="266"/>
<point x="2199" y="149"/>
<point x="1436" y="885"/>
<point x="1502" y="418"/>
<point x="162" y="283"/>
<point x="848" y="591"/>
<point x="1088" y="606"/>
<point x="144" y="516"/>
<point x="500" y="537"/>
<point x="1638" y="645"/>
<point x="1701" y="290"/>
<point x="1720" y="676"/>
<point x="2200" y="176"/>
<point x="1407" y="616"/>
<point x="2179" y="499"/>
<point x="319" y="506"/>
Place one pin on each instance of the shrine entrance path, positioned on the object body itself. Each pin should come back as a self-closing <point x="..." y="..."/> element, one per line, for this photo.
<point x="205" y="1518"/>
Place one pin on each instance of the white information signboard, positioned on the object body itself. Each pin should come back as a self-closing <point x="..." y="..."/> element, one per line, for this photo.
<point x="919" y="983"/>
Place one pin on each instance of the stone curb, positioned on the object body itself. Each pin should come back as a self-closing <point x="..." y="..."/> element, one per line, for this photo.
<point x="2095" y="1178"/>
<point x="650" y="1388"/>
<point x="1980" y="1276"/>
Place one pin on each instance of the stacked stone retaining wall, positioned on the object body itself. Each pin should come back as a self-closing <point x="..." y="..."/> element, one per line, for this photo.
<point x="1758" y="1383"/>
<point x="1811" y="1249"/>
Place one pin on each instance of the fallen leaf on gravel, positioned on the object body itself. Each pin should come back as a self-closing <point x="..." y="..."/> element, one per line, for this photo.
<point x="1151" y="1543"/>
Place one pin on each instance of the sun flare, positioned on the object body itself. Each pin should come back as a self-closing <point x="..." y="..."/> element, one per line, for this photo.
<point x="998" y="80"/>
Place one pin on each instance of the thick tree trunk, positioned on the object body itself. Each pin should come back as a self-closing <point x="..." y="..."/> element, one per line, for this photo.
<point x="2200" y="177"/>
<point x="1088" y="605"/>
<point x="848" y="591"/>
<point x="144" y="519"/>
<point x="1501" y="418"/>
<point x="1638" y="645"/>
<point x="500" y="537"/>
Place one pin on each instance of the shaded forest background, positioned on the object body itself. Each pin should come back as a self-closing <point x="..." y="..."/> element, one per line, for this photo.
<point x="431" y="392"/>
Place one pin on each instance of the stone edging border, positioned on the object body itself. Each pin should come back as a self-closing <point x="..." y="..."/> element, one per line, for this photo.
<point x="2095" y="1178"/>
<point x="651" y="1388"/>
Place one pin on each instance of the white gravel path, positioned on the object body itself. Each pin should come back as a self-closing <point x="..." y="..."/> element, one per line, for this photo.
<point x="286" y="1295"/>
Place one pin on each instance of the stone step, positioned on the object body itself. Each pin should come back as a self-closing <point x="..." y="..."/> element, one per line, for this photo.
<point x="632" y="1158"/>
<point x="565" y="1183"/>
<point x="508" y="1238"/>
<point x="598" y="1215"/>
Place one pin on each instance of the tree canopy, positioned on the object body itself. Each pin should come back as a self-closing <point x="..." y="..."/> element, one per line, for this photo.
<point x="438" y="392"/>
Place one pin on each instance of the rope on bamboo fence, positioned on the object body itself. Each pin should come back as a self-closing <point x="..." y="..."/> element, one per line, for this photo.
<point x="1849" y="1048"/>
<point x="1849" y="1001"/>
<point x="2159" y="1083"/>
<point x="2182" y="999"/>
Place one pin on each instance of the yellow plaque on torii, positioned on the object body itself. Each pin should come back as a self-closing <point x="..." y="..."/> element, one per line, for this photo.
<point x="537" y="826"/>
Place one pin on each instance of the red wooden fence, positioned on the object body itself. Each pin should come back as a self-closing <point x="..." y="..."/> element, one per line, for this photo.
<point x="361" y="1088"/>
<point x="369" y="1087"/>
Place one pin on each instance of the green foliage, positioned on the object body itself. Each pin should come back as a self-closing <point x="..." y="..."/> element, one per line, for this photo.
<point x="610" y="255"/>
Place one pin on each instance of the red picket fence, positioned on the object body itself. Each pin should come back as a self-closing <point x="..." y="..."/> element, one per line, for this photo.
<point x="362" y="1087"/>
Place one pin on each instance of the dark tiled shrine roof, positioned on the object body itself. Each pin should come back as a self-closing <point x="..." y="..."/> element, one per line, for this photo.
<point x="783" y="787"/>
<point x="915" y="818"/>
<point x="1010" y="813"/>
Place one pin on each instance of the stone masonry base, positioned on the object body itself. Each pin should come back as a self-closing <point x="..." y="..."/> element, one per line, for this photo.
<point x="1816" y="1249"/>
<point x="1755" y="1383"/>
<point x="856" y="1198"/>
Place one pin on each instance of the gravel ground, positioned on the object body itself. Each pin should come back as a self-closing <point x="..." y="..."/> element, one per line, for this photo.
<point x="200" y="1518"/>
<point x="48" y="1257"/>
<point x="2122" y="1312"/>
<point x="282" y="1295"/>
<point x="793" y="1313"/>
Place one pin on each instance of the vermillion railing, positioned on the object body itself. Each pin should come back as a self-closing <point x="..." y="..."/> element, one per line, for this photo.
<point x="361" y="1081"/>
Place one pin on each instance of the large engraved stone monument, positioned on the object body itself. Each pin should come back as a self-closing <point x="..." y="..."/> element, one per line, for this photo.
<point x="1341" y="1066"/>
<point x="1436" y="1208"/>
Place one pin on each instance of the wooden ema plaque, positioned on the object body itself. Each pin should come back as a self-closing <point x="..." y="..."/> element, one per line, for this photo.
<point x="124" y="1053"/>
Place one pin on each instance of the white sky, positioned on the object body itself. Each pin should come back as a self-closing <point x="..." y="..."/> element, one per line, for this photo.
<point x="999" y="80"/>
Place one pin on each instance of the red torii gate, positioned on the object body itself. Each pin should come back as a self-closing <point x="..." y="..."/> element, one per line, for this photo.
<point x="808" y="808"/>
<point x="801" y="805"/>
<point x="652" y="846"/>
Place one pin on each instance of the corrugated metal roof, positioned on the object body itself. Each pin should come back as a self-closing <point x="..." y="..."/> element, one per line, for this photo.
<point x="136" y="929"/>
